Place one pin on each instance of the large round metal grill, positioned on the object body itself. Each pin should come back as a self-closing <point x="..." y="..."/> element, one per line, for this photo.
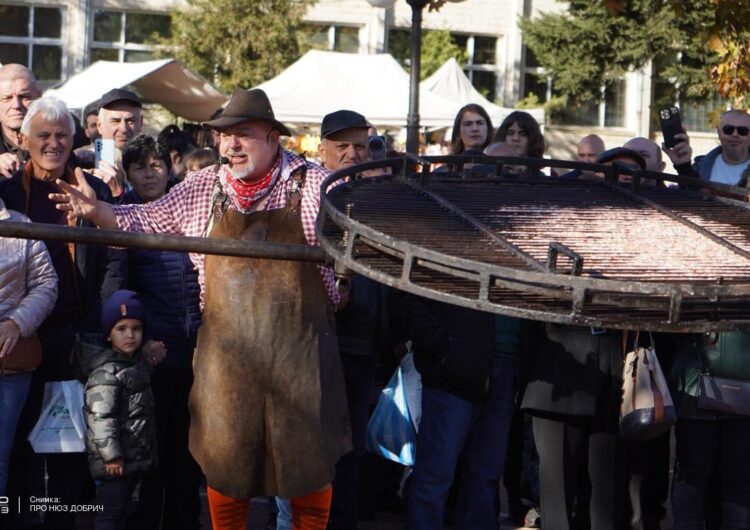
<point x="596" y="253"/>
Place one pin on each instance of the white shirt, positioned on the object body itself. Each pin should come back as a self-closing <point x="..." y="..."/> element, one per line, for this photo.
<point x="727" y="173"/>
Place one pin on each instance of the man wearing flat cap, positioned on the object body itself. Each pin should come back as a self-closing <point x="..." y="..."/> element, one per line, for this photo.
<point x="343" y="140"/>
<point x="120" y="119"/>
<point x="268" y="406"/>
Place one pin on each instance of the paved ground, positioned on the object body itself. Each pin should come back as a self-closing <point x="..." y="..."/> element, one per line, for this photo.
<point x="262" y="519"/>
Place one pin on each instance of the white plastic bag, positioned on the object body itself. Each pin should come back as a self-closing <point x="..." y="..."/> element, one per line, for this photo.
<point x="412" y="382"/>
<point x="60" y="428"/>
<point x="392" y="431"/>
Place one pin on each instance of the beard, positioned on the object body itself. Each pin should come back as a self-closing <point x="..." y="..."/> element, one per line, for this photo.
<point x="243" y="173"/>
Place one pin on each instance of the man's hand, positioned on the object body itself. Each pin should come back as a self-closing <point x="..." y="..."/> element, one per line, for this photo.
<point x="111" y="176"/>
<point x="9" y="335"/>
<point x="8" y="164"/>
<point x="80" y="200"/>
<point x="115" y="468"/>
<point x="681" y="153"/>
<point x="154" y="352"/>
<point x="343" y="288"/>
<point x="86" y="157"/>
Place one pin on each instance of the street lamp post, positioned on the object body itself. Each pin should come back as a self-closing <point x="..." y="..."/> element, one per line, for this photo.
<point x="412" y="119"/>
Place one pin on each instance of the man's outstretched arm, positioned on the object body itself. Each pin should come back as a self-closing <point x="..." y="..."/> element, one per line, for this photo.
<point x="79" y="200"/>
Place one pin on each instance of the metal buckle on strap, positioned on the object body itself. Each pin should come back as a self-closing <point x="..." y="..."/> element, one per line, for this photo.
<point x="298" y="183"/>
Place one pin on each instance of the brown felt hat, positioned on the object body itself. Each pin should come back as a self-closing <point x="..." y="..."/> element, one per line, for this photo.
<point x="248" y="105"/>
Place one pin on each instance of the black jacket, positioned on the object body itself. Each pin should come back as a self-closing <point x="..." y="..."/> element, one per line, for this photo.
<point x="168" y="284"/>
<point x="100" y="272"/>
<point x="362" y="324"/>
<point x="570" y="370"/>
<point x="453" y="346"/>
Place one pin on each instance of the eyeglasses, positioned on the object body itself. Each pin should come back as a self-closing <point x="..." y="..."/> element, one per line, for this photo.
<point x="741" y="130"/>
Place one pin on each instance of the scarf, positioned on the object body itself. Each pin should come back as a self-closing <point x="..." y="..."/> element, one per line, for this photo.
<point x="245" y="194"/>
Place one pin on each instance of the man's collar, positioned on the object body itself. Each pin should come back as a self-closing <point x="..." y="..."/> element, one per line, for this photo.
<point x="9" y="144"/>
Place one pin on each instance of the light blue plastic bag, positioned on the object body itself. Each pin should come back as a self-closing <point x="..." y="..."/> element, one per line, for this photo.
<point x="391" y="432"/>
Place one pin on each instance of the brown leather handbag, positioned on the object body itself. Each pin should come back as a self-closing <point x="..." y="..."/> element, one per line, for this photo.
<point x="25" y="356"/>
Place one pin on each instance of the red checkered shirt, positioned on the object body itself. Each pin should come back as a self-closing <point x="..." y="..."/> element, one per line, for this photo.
<point x="185" y="209"/>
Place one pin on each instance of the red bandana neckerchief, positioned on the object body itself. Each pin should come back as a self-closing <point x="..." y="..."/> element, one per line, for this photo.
<point x="247" y="193"/>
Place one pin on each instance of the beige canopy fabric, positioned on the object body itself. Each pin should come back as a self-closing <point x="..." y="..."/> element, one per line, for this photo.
<point x="166" y="82"/>
<point x="450" y="82"/>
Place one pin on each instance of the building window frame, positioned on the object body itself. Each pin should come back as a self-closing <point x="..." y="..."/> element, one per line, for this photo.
<point x="30" y="40"/>
<point x="122" y="45"/>
<point x="332" y="30"/>
<point x="470" y="67"/>
<point x="605" y="115"/>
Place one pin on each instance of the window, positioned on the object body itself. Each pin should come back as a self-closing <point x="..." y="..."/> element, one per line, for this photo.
<point x="399" y="46"/>
<point x="609" y="111"/>
<point x="32" y="35"/>
<point x="698" y="114"/>
<point x="481" y="67"/>
<point x="124" y="37"/>
<point x="481" y="53"/>
<point x="336" y="38"/>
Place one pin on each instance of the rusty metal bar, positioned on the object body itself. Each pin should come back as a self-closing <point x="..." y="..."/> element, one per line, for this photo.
<point x="556" y="248"/>
<point x="200" y="245"/>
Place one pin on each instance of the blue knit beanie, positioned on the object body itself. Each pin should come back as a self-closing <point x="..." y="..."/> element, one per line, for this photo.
<point x="122" y="304"/>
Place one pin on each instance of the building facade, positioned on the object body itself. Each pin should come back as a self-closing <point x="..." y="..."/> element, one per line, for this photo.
<point x="58" y="38"/>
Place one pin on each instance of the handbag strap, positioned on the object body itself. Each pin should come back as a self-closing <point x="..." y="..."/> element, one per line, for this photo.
<point x="635" y="341"/>
<point x="705" y="365"/>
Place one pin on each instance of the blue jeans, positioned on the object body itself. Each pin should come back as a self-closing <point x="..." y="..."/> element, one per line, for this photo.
<point x="13" y="391"/>
<point x="114" y="495"/>
<point x="476" y="432"/>
<point x="284" y="514"/>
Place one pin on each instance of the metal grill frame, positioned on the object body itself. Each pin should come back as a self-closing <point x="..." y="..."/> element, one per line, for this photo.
<point x="579" y="294"/>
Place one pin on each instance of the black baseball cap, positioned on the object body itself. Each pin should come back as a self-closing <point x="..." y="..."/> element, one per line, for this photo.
<point x="340" y="120"/>
<point x="621" y="152"/>
<point x="119" y="94"/>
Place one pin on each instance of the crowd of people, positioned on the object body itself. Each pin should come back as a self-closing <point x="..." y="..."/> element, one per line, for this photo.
<point x="259" y="379"/>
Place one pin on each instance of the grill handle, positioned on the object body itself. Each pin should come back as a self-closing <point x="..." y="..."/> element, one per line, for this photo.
<point x="555" y="249"/>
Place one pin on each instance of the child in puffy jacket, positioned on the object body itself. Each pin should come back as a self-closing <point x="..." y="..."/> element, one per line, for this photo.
<point x="118" y="407"/>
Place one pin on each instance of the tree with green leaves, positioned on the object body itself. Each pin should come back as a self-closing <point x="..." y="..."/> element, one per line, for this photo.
<point x="703" y="46"/>
<point x="437" y="47"/>
<point x="237" y="43"/>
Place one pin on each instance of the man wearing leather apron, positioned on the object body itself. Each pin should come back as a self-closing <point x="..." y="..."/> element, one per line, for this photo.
<point x="268" y="406"/>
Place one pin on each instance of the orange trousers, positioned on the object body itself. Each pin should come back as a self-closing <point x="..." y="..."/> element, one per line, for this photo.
<point x="309" y="512"/>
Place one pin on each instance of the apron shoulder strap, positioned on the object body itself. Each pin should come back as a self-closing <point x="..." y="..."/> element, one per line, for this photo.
<point x="298" y="184"/>
<point x="219" y="205"/>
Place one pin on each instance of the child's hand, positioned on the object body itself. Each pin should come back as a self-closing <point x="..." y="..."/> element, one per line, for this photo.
<point x="154" y="352"/>
<point x="115" y="468"/>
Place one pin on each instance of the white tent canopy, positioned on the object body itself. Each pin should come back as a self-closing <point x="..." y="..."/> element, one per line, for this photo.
<point x="450" y="82"/>
<point x="167" y="82"/>
<point x="373" y="85"/>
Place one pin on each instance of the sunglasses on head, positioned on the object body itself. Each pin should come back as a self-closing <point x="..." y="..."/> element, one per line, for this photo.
<point x="741" y="130"/>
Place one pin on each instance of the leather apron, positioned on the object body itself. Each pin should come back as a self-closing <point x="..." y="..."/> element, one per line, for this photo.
<point x="268" y="405"/>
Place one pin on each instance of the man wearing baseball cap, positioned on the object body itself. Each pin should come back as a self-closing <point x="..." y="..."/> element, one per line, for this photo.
<point x="343" y="140"/>
<point x="120" y="117"/>
<point x="264" y="420"/>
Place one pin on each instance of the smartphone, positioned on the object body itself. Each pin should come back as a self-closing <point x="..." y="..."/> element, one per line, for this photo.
<point x="104" y="150"/>
<point x="671" y="125"/>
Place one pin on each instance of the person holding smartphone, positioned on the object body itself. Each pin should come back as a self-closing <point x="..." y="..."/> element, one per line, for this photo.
<point x="728" y="163"/>
<point x="119" y="120"/>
